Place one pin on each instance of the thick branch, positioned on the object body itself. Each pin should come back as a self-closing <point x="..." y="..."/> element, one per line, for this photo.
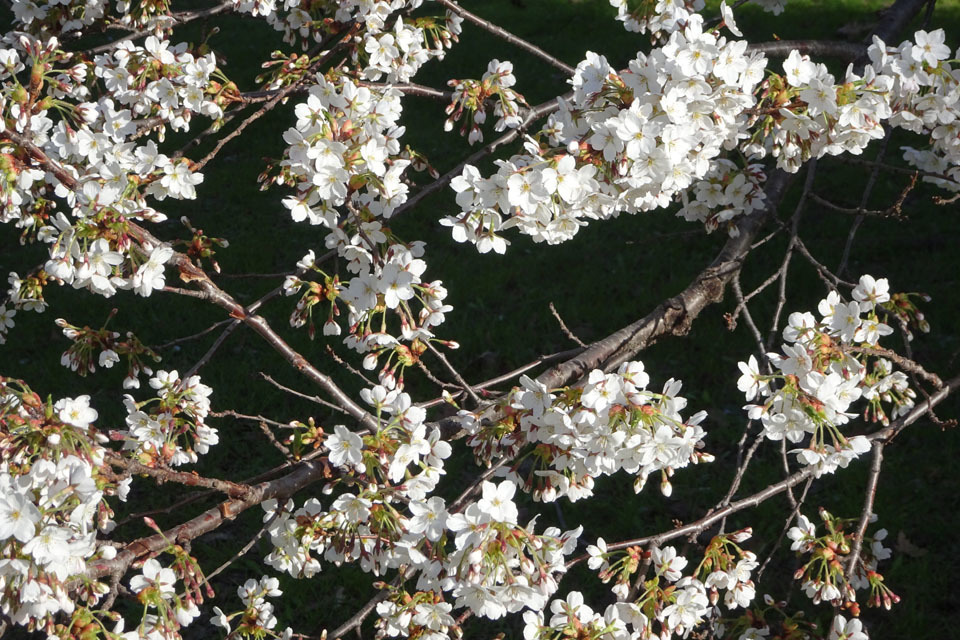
<point x="847" y="51"/>
<point x="896" y="18"/>
<point x="676" y="315"/>
<point x="180" y="477"/>
<point x="304" y="473"/>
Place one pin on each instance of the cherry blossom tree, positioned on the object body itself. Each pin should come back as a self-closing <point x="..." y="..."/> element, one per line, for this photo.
<point x="721" y="132"/>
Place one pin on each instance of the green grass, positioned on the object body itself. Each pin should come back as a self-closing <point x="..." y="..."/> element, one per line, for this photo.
<point x="609" y="275"/>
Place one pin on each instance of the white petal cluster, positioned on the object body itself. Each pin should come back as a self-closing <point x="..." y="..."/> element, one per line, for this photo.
<point x="926" y="100"/>
<point x="65" y="16"/>
<point x="478" y="552"/>
<point x="155" y="83"/>
<point x="171" y="429"/>
<point x="821" y="379"/>
<point x="406" y="460"/>
<point x="347" y="135"/>
<point x="499" y="567"/>
<point x="662" y="16"/>
<point x="614" y="423"/>
<point x="51" y="505"/>
<point x="672" y="603"/>
<point x="629" y="141"/>
<point x="389" y="48"/>
<point x="812" y="115"/>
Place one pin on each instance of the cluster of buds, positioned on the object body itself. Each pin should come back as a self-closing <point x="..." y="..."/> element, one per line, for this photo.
<point x="103" y="347"/>
<point x="827" y="576"/>
<point x="470" y="98"/>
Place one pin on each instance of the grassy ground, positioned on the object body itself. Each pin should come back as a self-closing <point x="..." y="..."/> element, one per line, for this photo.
<point x="609" y="275"/>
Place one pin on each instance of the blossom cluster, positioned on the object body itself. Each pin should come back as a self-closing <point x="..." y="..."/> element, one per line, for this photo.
<point x="628" y="141"/>
<point x="476" y="551"/>
<point x="625" y="141"/>
<point x="169" y="429"/>
<point x="825" y="574"/>
<point x="470" y="98"/>
<point x="495" y="565"/>
<point x="659" y="17"/>
<point x="165" y="611"/>
<point x="344" y="151"/>
<point x="822" y="372"/>
<point x="70" y="16"/>
<point x="396" y="55"/>
<point x="669" y="603"/>
<point x="257" y="619"/>
<point x="53" y="489"/>
<point x="563" y="439"/>
<point x="386" y="46"/>
<point x="403" y="459"/>
<point x="687" y="123"/>
<point x="926" y="102"/>
<point x="662" y="16"/>
<point x="807" y="114"/>
<point x="103" y="347"/>
<point x="99" y="172"/>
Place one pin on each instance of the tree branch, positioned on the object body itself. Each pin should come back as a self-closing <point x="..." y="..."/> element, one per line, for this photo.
<point x="304" y="474"/>
<point x="675" y="315"/>
<point x="506" y="35"/>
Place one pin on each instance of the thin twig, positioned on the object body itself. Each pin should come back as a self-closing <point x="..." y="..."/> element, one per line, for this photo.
<point x="279" y="446"/>
<point x="506" y="35"/>
<point x="346" y="365"/>
<point x="563" y="327"/>
<point x="904" y="363"/>
<point x="786" y="527"/>
<point x="848" y="159"/>
<point x="788" y="255"/>
<point x="176" y="341"/>
<point x="742" y="308"/>
<point x="830" y="279"/>
<point x="510" y="375"/>
<point x="357" y="619"/>
<point x="742" y="300"/>
<point x="869" y="495"/>
<point x="744" y="462"/>
<point x="205" y="358"/>
<point x="434" y="379"/>
<point x="786" y="470"/>
<point x="456" y="374"/>
<point x="861" y="210"/>
<point x="294" y="392"/>
<point x="246" y="548"/>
